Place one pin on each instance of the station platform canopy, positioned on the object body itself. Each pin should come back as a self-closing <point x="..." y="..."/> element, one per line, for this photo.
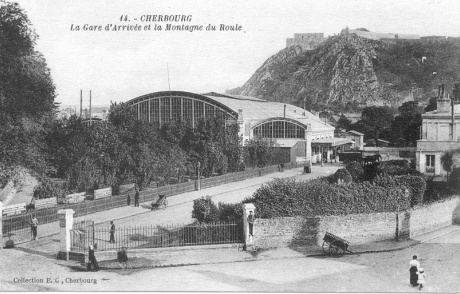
<point x="331" y="142"/>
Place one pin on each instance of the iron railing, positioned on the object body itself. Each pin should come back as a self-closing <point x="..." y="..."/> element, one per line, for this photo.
<point x="14" y="223"/>
<point x="18" y="224"/>
<point x="158" y="236"/>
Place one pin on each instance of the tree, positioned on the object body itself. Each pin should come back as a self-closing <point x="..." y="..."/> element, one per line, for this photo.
<point x="258" y="152"/>
<point x="432" y="104"/>
<point x="343" y="123"/>
<point x="407" y="124"/>
<point x="447" y="162"/>
<point x="26" y="92"/>
<point x="374" y="121"/>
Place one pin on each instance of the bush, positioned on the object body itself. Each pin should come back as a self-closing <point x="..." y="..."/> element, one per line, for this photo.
<point x="356" y="170"/>
<point x="230" y="211"/>
<point x="342" y="176"/>
<point x="416" y="185"/>
<point x="391" y="168"/>
<point x="204" y="210"/>
<point x="454" y="179"/>
<point x="46" y="188"/>
<point x="285" y="197"/>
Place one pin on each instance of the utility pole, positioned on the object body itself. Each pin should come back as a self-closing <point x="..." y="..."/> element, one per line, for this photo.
<point x="81" y="101"/>
<point x="90" y="107"/>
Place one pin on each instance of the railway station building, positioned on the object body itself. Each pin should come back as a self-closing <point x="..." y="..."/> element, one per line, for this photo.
<point x="298" y="134"/>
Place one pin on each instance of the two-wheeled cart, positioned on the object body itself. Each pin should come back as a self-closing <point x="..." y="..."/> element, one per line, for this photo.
<point x="160" y="202"/>
<point x="335" y="246"/>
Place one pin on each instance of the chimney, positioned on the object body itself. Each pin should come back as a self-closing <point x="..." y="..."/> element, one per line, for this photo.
<point x="240" y="115"/>
<point x="443" y="104"/>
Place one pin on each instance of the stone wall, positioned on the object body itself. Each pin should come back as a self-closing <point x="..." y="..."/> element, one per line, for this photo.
<point x="427" y="218"/>
<point x="356" y="228"/>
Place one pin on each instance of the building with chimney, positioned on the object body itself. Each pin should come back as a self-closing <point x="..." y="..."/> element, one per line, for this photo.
<point x="439" y="133"/>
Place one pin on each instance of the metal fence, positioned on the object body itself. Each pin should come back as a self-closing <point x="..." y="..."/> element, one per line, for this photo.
<point x="88" y="207"/>
<point x="18" y="224"/>
<point x="82" y="235"/>
<point x="157" y="236"/>
<point x="14" y="223"/>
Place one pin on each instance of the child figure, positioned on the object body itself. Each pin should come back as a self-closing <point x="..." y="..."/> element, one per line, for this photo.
<point x="421" y="278"/>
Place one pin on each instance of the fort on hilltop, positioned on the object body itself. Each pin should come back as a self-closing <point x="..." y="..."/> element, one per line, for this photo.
<point x="379" y="36"/>
<point x="307" y="41"/>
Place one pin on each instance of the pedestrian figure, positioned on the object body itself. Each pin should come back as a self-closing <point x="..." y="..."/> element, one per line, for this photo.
<point x="251" y="219"/>
<point x="136" y="198"/>
<point x="421" y="278"/>
<point x="92" y="259"/>
<point x="34" y="226"/>
<point x="128" y="200"/>
<point x="414" y="265"/>
<point x="112" y="232"/>
<point x="282" y="167"/>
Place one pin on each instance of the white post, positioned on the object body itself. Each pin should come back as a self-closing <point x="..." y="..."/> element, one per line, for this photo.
<point x="247" y="207"/>
<point x="1" y="225"/>
<point x="65" y="224"/>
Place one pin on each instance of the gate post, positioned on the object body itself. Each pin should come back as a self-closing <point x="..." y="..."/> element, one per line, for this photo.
<point x="247" y="208"/>
<point x="65" y="224"/>
<point x="1" y="225"/>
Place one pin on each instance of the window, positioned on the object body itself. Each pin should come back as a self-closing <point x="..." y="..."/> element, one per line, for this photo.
<point x="430" y="163"/>
<point x="278" y="130"/>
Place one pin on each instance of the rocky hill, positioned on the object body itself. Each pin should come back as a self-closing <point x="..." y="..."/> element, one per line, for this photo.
<point x="348" y="72"/>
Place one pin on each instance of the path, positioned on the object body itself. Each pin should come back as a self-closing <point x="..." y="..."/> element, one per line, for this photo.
<point x="24" y="193"/>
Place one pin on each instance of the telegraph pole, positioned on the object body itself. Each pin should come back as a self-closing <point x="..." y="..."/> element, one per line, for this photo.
<point x="90" y="107"/>
<point x="81" y="101"/>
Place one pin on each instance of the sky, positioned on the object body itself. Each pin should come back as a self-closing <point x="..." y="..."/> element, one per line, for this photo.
<point x="121" y="65"/>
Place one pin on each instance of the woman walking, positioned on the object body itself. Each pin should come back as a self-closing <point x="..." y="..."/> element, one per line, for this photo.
<point x="414" y="265"/>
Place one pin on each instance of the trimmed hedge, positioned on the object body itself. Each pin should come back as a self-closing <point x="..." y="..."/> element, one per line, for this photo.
<point x="286" y="197"/>
<point x="415" y="184"/>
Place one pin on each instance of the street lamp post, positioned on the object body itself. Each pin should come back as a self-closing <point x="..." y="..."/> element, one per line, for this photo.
<point x="198" y="180"/>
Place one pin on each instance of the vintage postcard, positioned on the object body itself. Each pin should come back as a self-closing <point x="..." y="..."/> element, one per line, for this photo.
<point x="230" y="146"/>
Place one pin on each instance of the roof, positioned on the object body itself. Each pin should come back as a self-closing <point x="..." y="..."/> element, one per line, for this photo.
<point x="384" y="141"/>
<point x="331" y="142"/>
<point x="285" y="143"/>
<point x="255" y="109"/>
<point x="355" y="133"/>
<point x="259" y="109"/>
<point x="456" y="111"/>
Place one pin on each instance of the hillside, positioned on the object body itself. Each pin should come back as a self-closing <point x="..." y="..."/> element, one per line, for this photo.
<point x="348" y="72"/>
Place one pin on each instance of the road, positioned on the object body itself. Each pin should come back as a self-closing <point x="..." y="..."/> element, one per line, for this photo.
<point x="373" y="272"/>
<point x="179" y="210"/>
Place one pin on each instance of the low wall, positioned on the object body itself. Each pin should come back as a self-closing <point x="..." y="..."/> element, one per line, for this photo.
<point x="14" y="209"/>
<point x="45" y="203"/>
<point x="356" y="228"/>
<point x="427" y="218"/>
<point x="102" y="193"/>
